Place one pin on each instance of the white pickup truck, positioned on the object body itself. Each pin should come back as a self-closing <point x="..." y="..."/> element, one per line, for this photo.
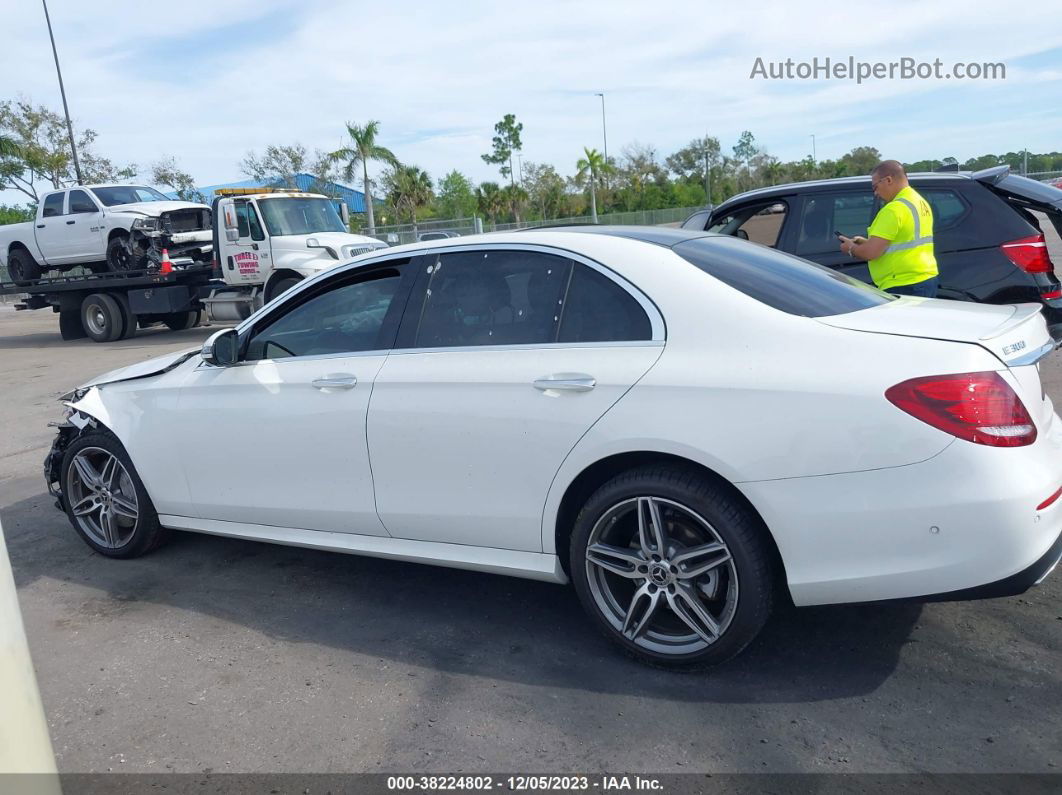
<point x="257" y="244"/>
<point x="105" y="228"/>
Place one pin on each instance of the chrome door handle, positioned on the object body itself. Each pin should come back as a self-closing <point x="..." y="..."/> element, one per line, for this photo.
<point x="569" y="382"/>
<point x="334" y="382"/>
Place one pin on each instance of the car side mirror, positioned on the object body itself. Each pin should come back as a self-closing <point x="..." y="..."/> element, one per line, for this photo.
<point x="232" y="235"/>
<point x="742" y="234"/>
<point x="222" y="348"/>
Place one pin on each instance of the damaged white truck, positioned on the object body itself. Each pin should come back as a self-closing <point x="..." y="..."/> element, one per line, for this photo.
<point x="226" y="259"/>
<point x="115" y="228"/>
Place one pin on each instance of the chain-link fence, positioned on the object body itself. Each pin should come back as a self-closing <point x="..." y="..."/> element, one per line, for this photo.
<point x="397" y="234"/>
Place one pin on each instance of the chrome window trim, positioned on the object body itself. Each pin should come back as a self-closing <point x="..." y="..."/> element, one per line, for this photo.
<point x="656" y="320"/>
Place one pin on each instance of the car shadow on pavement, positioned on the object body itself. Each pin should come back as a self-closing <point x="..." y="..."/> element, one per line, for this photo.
<point x="448" y="620"/>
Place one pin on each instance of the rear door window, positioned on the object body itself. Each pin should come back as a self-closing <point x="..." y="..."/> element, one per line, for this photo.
<point x="597" y="309"/>
<point x="822" y="214"/>
<point x="81" y="203"/>
<point x="493" y="298"/>
<point x="948" y="207"/>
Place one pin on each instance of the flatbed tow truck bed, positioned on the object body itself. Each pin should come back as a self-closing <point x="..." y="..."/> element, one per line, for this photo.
<point x="111" y="306"/>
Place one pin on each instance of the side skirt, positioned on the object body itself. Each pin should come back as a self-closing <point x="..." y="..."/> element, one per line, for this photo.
<point x="529" y="565"/>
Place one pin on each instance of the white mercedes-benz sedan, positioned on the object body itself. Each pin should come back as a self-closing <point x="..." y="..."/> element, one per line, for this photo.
<point x="687" y="427"/>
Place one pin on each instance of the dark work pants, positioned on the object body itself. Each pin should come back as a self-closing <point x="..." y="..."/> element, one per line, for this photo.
<point x="926" y="289"/>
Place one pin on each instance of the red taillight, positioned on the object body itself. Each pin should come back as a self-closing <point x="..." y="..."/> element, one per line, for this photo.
<point x="1050" y="500"/>
<point x="1051" y="296"/>
<point x="1029" y="254"/>
<point x="978" y="407"/>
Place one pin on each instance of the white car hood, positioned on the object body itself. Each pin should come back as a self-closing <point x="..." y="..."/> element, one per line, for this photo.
<point x="155" y="209"/>
<point x="337" y="241"/>
<point x="155" y="366"/>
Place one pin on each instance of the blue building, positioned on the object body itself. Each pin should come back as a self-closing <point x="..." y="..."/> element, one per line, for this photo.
<point x="355" y="199"/>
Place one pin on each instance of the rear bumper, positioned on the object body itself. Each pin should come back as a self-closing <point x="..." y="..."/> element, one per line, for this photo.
<point x="962" y="525"/>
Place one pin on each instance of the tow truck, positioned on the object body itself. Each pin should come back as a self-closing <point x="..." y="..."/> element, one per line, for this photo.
<point x="265" y="240"/>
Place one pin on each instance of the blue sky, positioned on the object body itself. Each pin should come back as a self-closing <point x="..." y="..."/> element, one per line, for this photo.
<point x="215" y="80"/>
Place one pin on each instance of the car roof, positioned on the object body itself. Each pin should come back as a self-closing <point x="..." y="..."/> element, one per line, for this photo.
<point x="815" y="184"/>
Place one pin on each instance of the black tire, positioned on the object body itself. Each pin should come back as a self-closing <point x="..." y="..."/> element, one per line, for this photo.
<point x="129" y="320"/>
<point x="145" y="533"/>
<point x="181" y="321"/>
<point x="70" y="327"/>
<point x="282" y="286"/>
<point x="102" y="318"/>
<point x="674" y="491"/>
<point x="119" y="260"/>
<point x="22" y="268"/>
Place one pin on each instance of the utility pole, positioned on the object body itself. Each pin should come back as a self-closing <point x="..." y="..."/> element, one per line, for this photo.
<point x="604" y="129"/>
<point x="520" y="165"/>
<point x="814" y="155"/>
<point x="1025" y="163"/>
<point x="66" y="110"/>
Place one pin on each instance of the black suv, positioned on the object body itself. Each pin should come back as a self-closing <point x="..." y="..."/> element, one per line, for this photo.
<point x="989" y="243"/>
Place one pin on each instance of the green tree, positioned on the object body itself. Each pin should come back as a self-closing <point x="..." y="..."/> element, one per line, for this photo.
<point x="455" y="197"/>
<point x="359" y="152"/>
<point x="590" y="169"/>
<point x="166" y="173"/>
<point x="689" y="162"/>
<point x="861" y="160"/>
<point x="489" y="200"/>
<point x="37" y="154"/>
<point x="744" y="150"/>
<point x="16" y="214"/>
<point x="515" y="198"/>
<point x="506" y="142"/>
<point x="545" y="188"/>
<point x="408" y="189"/>
<point x="276" y="166"/>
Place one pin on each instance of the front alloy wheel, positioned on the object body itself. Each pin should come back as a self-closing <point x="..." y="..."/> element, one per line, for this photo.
<point x="103" y="500"/>
<point x="673" y="566"/>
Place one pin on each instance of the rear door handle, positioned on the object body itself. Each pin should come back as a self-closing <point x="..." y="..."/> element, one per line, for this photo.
<point x="337" y="381"/>
<point x="70" y="222"/>
<point x="569" y="382"/>
<point x="40" y="226"/>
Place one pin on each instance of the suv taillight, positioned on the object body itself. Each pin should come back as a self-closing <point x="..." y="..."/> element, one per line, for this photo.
<point x="1029" y="254"/>
<point x="978" y="407"/>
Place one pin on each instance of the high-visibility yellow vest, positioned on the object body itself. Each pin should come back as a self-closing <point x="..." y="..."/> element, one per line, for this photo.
<point x="907" y="223"/>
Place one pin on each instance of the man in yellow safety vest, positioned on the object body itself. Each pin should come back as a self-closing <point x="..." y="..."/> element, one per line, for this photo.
<point x="899" y="243"/>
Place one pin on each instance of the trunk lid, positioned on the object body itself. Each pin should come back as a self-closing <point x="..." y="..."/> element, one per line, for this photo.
<point x="1023" y="192"/>
<point x="1015" y="334"/>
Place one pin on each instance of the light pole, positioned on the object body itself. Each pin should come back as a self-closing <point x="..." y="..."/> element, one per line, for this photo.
<point x="814" y="156"/>
<point x="707" y="175"/>
<point x="62" y="91"/>
<point x="604" y="129"/>
<point x="520" y="165"/>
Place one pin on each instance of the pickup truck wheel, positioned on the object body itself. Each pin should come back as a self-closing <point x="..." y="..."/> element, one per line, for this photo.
<point x="70" y="327"/>
<point x="119" y="259"/>
<point x="180" y="321"/>
<point x="22" y="269"/>
<point x="102" y="318"/>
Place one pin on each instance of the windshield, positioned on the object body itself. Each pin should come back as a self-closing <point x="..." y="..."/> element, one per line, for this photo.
<point x="128" y="194"/>
<point x="290" y="216"/>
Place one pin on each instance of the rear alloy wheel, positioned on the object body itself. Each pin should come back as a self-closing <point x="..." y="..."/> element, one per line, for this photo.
<point x="102" y="318"/>
<point x="22" y="269"/>
<point x="672" y="567"/>
<point x="105" y="500"/>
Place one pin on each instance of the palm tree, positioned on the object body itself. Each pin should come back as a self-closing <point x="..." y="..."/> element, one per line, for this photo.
<point x="490" y="200"/>
<point x="409" y="187"/>
<point x="515" y="197"/>
<point x="593" y="165"/>
<point x="362" y="149"/>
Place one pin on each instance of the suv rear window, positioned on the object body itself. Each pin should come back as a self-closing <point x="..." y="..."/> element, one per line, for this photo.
<point x="780" y="280"/>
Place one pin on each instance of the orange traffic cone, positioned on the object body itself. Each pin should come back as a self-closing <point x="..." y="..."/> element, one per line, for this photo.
<point x="165" y="267"/>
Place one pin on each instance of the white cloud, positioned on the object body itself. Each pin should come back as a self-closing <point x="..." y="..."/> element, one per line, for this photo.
<point x="156" y="81"/>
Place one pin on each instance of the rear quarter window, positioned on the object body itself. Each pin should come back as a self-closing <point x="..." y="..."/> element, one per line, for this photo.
<point x="781" y="281"/>
<point x="988" y="221"/>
